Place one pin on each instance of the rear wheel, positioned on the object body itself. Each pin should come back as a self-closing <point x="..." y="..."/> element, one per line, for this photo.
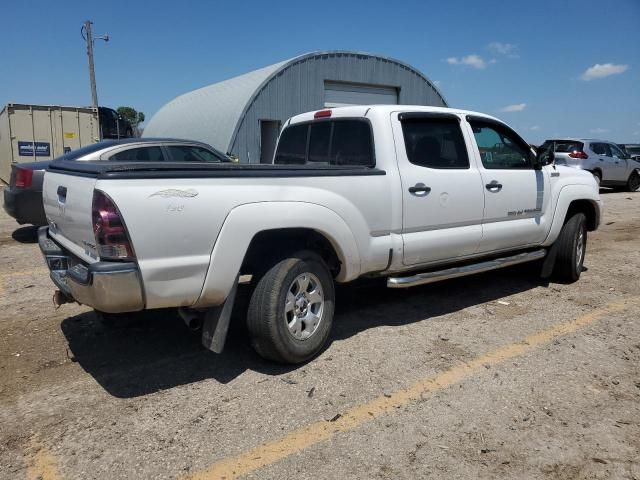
<point x="633" y="184"/>
<point x="572" y="245"/>
<point x="598" y="177"/>
<point x="291" y="309"/>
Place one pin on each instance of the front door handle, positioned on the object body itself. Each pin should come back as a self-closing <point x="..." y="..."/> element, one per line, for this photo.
<point x="494" y="186"/>
<point x="62" y="194"/>
<point x="419" y="188"/>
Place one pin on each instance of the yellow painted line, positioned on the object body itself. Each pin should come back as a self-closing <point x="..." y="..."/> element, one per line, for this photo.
<point x="43" y="465"/>
<point x="297" y="440"/>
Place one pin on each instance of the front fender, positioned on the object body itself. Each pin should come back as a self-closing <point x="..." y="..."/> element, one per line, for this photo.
<point x="568" y="194"/>
<point x="245" y="221"/>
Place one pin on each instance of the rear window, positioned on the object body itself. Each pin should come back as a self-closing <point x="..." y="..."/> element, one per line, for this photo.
<point x="568" y="146"/>
<point x="292" y="147"/>
<point x="330" y="142"/>
<point x="186" y="153"/>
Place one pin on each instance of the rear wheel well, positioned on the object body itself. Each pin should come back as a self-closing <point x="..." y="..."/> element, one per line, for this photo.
<point x="588" y="208"/>
<point x="270" y="246"/>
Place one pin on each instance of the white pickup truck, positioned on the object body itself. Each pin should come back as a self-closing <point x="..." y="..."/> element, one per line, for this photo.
<point x="411" y="193"/>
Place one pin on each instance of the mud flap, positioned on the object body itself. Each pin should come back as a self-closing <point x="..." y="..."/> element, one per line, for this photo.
<point x="549" y="261"/>
<point x="216" y="323"/>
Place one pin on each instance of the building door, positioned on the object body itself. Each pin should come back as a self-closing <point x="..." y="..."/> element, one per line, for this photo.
<point x="269" y="130"/>
<point x="338" y="94"/>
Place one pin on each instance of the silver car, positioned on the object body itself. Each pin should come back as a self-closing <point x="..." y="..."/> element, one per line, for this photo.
<point x="610" y="165"/>
<point x="23" y="195"/>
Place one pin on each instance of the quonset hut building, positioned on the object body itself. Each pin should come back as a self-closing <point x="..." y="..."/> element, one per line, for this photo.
<point x="243" y="115"/>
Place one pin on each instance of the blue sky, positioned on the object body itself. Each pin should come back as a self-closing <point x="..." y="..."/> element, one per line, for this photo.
<point x="548" y="68"/>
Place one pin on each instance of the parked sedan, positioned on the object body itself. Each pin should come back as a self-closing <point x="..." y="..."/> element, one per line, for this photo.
<point x="23" y="196"/>
<point x="610" y="165"/>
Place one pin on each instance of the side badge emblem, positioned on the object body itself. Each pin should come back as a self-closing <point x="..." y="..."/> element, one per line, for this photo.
<point x="175" y="193"/>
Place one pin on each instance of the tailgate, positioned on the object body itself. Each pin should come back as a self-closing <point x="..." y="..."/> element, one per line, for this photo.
<point x="67" y="204"/>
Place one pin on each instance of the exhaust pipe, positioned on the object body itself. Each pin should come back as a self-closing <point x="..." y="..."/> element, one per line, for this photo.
<point x="191" y="318"/>
<point x="60" y="298"/>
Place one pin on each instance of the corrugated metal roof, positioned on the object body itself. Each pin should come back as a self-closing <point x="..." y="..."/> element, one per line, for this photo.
<point x="185" y="117"/>
<point x="213" y="114"/>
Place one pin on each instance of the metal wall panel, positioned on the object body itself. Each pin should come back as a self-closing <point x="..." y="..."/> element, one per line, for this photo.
<point x="300" y="87"/>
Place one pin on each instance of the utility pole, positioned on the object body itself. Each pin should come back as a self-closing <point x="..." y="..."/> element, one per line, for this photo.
<point x="87" y="34"/>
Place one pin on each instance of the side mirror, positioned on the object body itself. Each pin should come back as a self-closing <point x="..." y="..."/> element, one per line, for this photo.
<point x="543" y="157"/>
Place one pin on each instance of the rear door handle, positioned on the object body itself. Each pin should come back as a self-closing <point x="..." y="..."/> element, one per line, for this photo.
<point x="62" y="194"/>
<point x="494" y="186"/>
<point x="419" y="188"/>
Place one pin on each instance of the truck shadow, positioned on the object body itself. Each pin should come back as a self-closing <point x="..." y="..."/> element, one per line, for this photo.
<point x="156" y="351"/>
<point x="28" y="234"/>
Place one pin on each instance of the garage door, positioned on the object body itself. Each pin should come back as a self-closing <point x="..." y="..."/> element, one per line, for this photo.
<point x="341" y="94"/>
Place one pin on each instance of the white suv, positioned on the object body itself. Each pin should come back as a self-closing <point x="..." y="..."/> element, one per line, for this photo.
<point x="610" y="165"/>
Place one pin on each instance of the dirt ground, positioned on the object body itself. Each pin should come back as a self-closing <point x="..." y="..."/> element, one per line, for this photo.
<point x="501" y="375"/>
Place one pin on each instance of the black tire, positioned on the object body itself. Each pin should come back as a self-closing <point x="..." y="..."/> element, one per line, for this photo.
<point x="267" y="317"/>
<point x="633" y="184"/>
<point x="598" y="176"/>
<point x="570" y="258"/>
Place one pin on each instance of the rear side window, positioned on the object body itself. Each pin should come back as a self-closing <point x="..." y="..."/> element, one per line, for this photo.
<point x="601" y="149"/>
<point x="140" y="154"/>
<point x="334" y="142"/>
<point x="500" y="148"/>
<point x="186" y="153"/>
<point x="292" y="147"/>
<point x="435" y="143"/>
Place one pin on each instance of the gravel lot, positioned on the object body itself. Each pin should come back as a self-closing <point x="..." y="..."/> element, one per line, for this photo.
<point x="495" y="376"/>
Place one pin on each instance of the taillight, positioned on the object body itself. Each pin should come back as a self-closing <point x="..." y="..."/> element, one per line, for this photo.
<point x="24" y="177"/>
<point x="322" y="114"/>
<point x="112" y="239"/>
<point x="579" y="154"/>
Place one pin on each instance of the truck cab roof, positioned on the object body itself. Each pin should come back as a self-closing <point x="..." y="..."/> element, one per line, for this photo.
<point x="365" y="110"/>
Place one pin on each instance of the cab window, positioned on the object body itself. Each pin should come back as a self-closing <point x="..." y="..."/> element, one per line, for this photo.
<point x="435" y="143"/>
<point x="499" y="148"/>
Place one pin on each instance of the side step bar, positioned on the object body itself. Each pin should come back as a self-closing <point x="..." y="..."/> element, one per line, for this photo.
<point x="455" y="272"/>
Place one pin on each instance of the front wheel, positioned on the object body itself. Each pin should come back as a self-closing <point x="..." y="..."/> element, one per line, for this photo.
<point x="572" y="245"/>
<point x="291" y="310"/>
<point x="633" y="184"/>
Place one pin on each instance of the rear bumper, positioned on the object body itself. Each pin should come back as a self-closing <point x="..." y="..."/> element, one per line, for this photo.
<point x="112" y="287"/>
<point x="25" y="206"/>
